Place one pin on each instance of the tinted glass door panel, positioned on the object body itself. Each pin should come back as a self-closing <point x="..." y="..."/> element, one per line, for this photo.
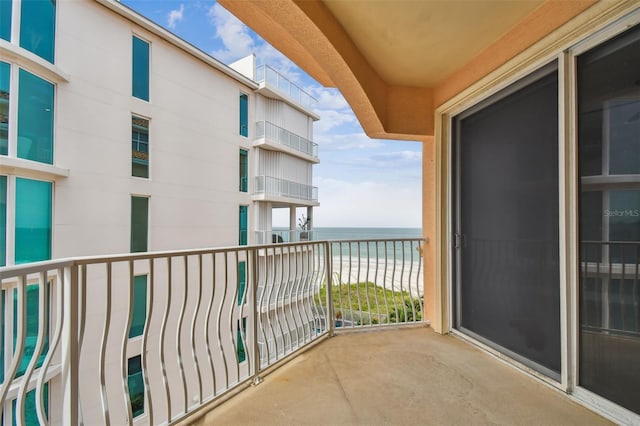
<point x="609" y="158"/>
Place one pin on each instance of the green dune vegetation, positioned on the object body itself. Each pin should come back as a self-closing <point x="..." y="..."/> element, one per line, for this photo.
<point x="366" y="303"/>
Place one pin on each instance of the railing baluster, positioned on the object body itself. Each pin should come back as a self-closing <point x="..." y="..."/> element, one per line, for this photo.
<point x="163" y="331"/>
<point x="220" y="345"/>
<point x="193" y="328"/>
<point x="145" y="339"/>
<point x="123" y="348"/>
<point x="42" y="327"/>
<point x="103" y="347"/>
<point x="207" y="322"/>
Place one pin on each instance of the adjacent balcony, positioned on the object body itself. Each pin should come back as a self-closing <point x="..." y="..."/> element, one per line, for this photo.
<point x="269" y="188"/>
<point x="272" y="136"/>
<point x="288" y="236"/>
<point x="275" y="84"/>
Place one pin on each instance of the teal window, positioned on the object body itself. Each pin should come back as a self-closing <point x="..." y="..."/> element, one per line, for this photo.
<point x="243" y="225"/>
<point x="244" y="170"/>
<point x="140" y="69"/>
<point x="30" y="416"/>
<point x="139" y="147"/>
<point x="139" y="304"/>
<point x="33" y="299"/>
<point x="242" y="281"/>
<point x="5" y="77"/>
<point x="139" y="223"/>
<point x="5" y="19"/>
<point x="240" y="350"/>
<point x="135" y="381"/>
<point x="38" y="27"/>
<point x="3" y="294"/>
<point x="3" y="220"/>
<point x="244" y="115"/>
<point x="33" y="220"/>
<point x="35" y="118"/>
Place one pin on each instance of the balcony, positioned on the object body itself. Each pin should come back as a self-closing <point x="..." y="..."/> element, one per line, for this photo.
<point x="288" y="236"/>
<point x="269" y="188"/>
<point x="274" y="84"/>
<point x="271" y="136"/>
<point x="207" y="323"/>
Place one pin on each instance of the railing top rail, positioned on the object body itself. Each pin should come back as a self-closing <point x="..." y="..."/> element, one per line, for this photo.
<point x="34" y="267"/>
<point x="267" y="67"/>
<point x="285" y="180"/>
<point x="380" y="240"/>
<point x="267" y="122"/>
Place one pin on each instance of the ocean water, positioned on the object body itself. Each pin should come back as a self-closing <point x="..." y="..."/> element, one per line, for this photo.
<point x="397" y="250"/>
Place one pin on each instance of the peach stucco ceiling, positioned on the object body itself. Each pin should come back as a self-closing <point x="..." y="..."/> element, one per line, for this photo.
<point x="395" y="61"/>
<point x="420" y="43"/>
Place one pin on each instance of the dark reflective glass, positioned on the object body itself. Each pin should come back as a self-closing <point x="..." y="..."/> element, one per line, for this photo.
<point x="609" y="156"/>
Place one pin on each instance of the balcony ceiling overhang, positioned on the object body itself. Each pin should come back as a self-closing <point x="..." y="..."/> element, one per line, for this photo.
<point x="395" y="61"/>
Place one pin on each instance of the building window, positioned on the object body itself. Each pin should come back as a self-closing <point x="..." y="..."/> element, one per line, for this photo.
<point x="139" y="147"/>
<point x="38" y="27"/>
<point x="5" y="77"/>
<point x="3" y="220"/>
<point x="243" y="225"/>
<point x="30" y="416"/>
<point x="244" y="171"/>
<point x="135" y="382"/>
<point x="140" y="80"/>
<point x="139" y="223"/>
<point x="32" y="220"/>
<point x="35" y="118"/>
<point x="5" y="19"/>
<point x="242" y="281"/>
<point x="139" y="304"/>
<point x="241" y="336"/>
<point x="244" y="115"/>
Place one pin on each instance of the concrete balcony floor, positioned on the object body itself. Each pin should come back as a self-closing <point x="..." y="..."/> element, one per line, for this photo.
<point x="398" y="377"/>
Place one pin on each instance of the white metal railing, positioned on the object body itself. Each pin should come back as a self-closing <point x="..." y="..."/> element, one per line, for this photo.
<point x="211" y="320"/>
<point x="280" y="236"/>
<point x="274" y="79"/>
<point x="270" y="131"/>
<point x="284" y="188"/>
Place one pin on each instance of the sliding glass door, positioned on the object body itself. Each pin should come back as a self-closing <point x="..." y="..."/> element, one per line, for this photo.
<point x="507" y="222"/>
<point x="608" y="84"/>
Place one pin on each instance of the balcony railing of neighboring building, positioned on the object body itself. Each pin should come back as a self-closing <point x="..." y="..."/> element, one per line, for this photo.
<point x="207" y="322"/>
<point x="280" y="236"/>
<point x="273" y="78"/>
<point x="284" y="188"/>
<point x="270" y="131"/>
<point x="610" y="288"/>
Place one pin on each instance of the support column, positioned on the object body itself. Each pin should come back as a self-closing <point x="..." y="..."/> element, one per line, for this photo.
<point x="292" y="224"/>
<point x="310" y="222"/>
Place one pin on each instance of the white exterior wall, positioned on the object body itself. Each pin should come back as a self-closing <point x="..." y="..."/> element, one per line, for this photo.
<point x="194" y="141"/>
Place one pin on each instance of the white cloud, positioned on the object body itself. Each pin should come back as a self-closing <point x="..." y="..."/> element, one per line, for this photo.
<point x="175" y="16"/>
<point x="330" y="119"/>
<point x="233" y="34"/>
<point x="368" y="204"/>
<point x="346" y="141"/>
<point x="328" y="99"/>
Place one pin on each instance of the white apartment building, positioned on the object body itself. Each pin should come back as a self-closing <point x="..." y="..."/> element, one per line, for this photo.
<point x="117" y="136"/>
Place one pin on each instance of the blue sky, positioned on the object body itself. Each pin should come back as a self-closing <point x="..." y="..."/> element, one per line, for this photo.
<point x="361" y="181"/>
